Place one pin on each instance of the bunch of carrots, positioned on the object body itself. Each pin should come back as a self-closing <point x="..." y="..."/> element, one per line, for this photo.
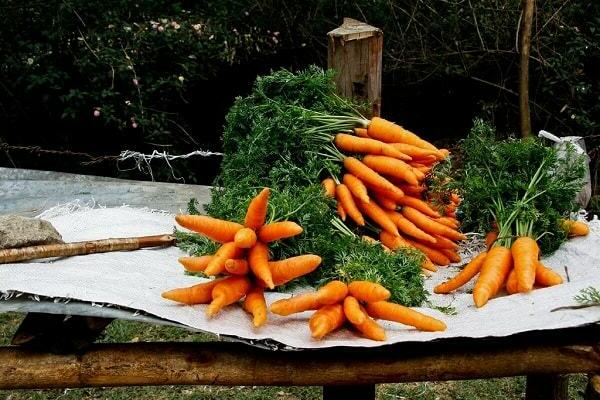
<point x="243" y="259"/>
<point x="385" y="182"/>
<point x="356" y="303"/>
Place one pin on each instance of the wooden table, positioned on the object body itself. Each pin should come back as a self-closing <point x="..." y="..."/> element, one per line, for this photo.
<point x="344" y="373"/>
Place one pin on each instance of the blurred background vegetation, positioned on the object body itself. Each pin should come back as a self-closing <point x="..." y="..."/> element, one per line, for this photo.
<point x="92" y="78"/>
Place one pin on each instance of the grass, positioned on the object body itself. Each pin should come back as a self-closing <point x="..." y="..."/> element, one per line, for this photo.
<point x="125" y="331"/>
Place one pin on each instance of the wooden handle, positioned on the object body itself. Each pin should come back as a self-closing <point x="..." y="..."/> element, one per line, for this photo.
<point x="87" y="247"/>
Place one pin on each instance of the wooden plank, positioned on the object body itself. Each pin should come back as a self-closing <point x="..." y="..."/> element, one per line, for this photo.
<point x="547" y="387"/>
<point x="29" y="192"/>
<point x="238" y="364"/>
<point x="355" y="52"/>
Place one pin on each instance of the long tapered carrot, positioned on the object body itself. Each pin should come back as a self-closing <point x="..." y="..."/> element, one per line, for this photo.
<point x="197" y="294"/>
<point x="326" y="320"/>
<point x="353" y="312"/>
<point x="379" y="216"/>
<point x="392" y="241"/>
<point x="404" y="315"/>
<point x="296" y="304"/>
<point x="344" y="197"/>
<point x="544" y="276"/>
<point x="356" y="187"/>
<point x="391" y="167"/>
<point x="258" y="261"/>
<point x="452" y="255"/>
<point x="490" y="238"/>
<point x="353" y="144"/>
<point x="448" y="221"/>
<point x="525" y="252"/>
<point x="415" y="152"/>
<point x="444" y="243"/>
<point x="329" y="187"/>
<point x="369" y="177"/>
<point x="389" y="132"/>
<point x="494" y="272"/>
<point x="257" y="210"/>
<point x="512" y="283"/>
<point x="287" y="269"/>
<point x="407" y="227"/>
<point x="255" y="304"/>
<point x="213" y="228"/>
<point x="227" y="291"/>
<point x="340" y="211"/>
<point x="368" y="291"/>
<point x="236" y="266"/>
<point x="278" y="230"/>
<point x="434" y="255"/>
<point x="464" y="276"/>
<point x="332" y="292"/>
<point x="410" y="190"/>
<point x="245" y="238"/>
<point x="195" y="264"/>
<point x="369" y="328"/>
<point x="429" y="225"/>
<point x="217" y="264"/>
<point x="418" y="204"/>
<point x="384" y="202"/>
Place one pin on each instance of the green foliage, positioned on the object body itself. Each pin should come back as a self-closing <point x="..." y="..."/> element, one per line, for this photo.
<point x="588" y="297"/>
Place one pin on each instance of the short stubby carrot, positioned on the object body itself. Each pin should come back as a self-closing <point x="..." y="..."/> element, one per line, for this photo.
<point x="434" y="255"/>
<point x="370" y="329"/>
<point x="576" y="228"/>
<point x="369" y="177"/>
<point x="353" y="312"/>
<point x="464" y="276"/>
<point x="361" y="132"/>
<point x="278" y="230"/>
<point x="410" y="229"/>
<point x="255" y="304"/>
<point x="326" y="320"/>
<point x="418" y="204"/>
<point x="217" y="263"/>
<point x="296" y="304"/>
<point x="197" y="294"/>
<point x="490" y="239"/>
<point x="356" y="187"/>
<point x="391" y="167"/>
<point x="258" y="261"/>
<point x="287" y="269"/>
<point x="332" y="292"/>
<point x="353" y="144"/>
<point x="379" y="216"/>
<point x="236" y="266"/>
<point x="245" y="238"/>
<point x="329" y="187"/>
<point x="257" y="210"/>
<point x="389" y="132"/>
<point x="512" y="284"/>
<point x="227" y="291"/>
<point x="195" y="264"/>
<point x="525" y="253"/>
<point x="344" y="197"/>
<point x="494" y="272"/>
<point x="429" y="225"/>
<point x="368" y="291"/>
<point x="544" y="276"/>
<point x="404" y="315"/>
<point x="213" y="228"/>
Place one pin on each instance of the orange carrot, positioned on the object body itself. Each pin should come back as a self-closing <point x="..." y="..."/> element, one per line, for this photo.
<point x="494" y="271"/>
<point x="429" y="225"/>
<point x="341" y="212"/>
<point x="378" y="215"/>
<point x="227" y="291"/>
<point x="420" y="173"/>
<point x="452" y="255"/>
<point x="444" y="243"/>
<point x="353" y="144"/>
<point x="197" y="294"/>
<point x="428" y="265"/>
<point x="368" y="291"/>
<point x="429" y="160"/>
<point x="414" y="191"/>
<point x="448" y="221"/>
<point x="490" y="238"/>
<point x="236" y="266"/>
<point x="353" y="312"/>
<point x="285" y="270"/>
<point x="195" y="264"/>
<point x="455" y="198"/>
<point x="389" y="132"/>
<point x="356" y="187"/>
<point x="420" y="205"/>
<point x="544" y="276"/>
<point x="296" y="304"/>
<point x="444" y="153"/>
<point x="255" y="304"/>
<point x="384" y="202"/>
<point x="415" y="151"/>
<point x="369" y="177"/>
<point x="329" y="187"/>
<point x="464" y="276"/>
<point x="525" y="253"/>
<point x="434" y="255"/>
<point x="278" y="230"/>
<point x="404" y="315"/>
<point x="392" y="167"/>
<point x="394" y="242"/>
<point x="361" y="132"/>
<point x="245" y="238"/>
<point x="257" y="210"/>
<point x="326" y="320"/>
<point x="370" y="329"/>
<point x="217" y="264"/>
<point x="344" y="197"/>
<point x="576" y="228"/>
<point x="407" y="227"/>
<point x="258" y="260"/>
<point x="332" y="292"/>
<point x="215" y="229"/>
<point x="512" y="283"/>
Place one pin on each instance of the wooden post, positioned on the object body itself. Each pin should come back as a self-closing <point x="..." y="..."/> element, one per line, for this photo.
<point x="355" y="52"/>
<point x="547" y="387"/>
<point x="525" y="45"/>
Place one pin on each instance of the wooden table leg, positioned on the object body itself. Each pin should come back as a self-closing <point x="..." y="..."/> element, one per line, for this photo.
<point x="592" y="392"/>
<point x="363" y="392"/>
<point x="547" y="387"/>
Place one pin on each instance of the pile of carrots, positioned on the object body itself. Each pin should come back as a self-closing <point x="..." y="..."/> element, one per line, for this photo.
<point x="243" y="259"/>
<point x="512" y="264"/>
<point x="356" y="303"/>
<point x="386" y="184"/>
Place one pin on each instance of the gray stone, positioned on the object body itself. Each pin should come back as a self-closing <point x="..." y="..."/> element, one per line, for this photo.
<point x="17" y="231"/>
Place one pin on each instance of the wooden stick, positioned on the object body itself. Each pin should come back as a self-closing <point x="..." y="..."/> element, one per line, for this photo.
<point x="527" y="21"/>
<point x="80" y="248"/>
